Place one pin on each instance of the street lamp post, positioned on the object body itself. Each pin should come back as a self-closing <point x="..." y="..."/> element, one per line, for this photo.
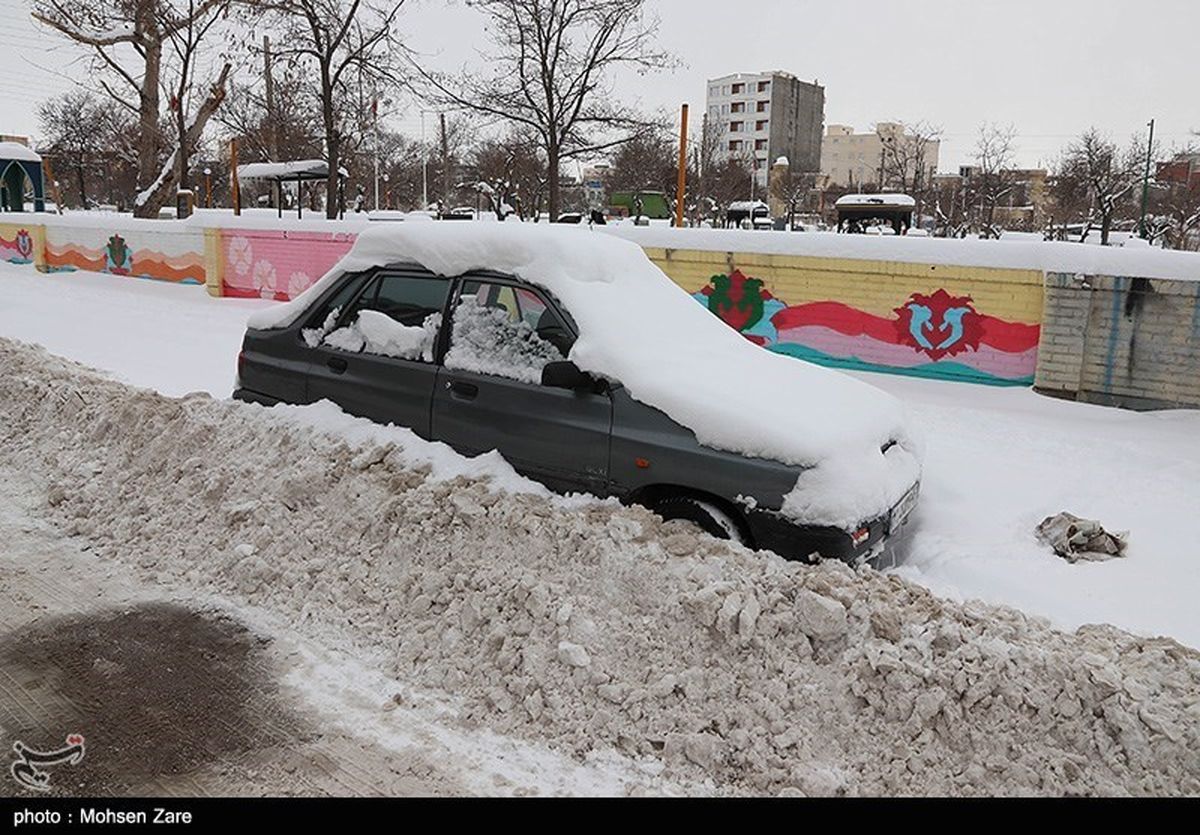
<point x="1146" y="181"/>
<point x="207" y="187"/>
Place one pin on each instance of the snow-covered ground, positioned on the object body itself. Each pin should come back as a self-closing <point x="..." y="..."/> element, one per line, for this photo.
<point x="998" y="460"/>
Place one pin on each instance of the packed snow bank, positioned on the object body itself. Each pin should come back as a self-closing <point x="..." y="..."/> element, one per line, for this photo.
<point x="1045" y="256"/>
<point x="637" y="327"/>
<point x="600" y="628"/>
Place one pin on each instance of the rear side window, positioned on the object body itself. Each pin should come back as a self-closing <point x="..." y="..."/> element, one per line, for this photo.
<point x="395" y="316"/>
<point x="506" y="332"/>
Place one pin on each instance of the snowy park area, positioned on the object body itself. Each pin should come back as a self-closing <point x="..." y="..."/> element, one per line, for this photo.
<point x="998" y="460"/>
<point x="597" y="645"/>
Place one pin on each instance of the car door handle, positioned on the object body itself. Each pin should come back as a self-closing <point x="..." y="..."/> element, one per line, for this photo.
<point x="337" y="364"/>
<point x="461" y="390"/>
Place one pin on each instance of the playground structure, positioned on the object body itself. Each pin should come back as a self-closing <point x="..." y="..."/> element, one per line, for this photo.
<point x="857" y="211"/>
<point x="20" y="164"/>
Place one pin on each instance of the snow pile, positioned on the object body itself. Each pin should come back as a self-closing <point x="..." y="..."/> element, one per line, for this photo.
<point x="636" y="326"/>
<point x="598" y="628"/>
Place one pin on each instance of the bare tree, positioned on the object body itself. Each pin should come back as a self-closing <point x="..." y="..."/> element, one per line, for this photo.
<point x="906" y="163"/>
<point x="792" y="189"/>
<point x="351" y="42"/>
<point x="992" y="179"/>
<point x="78" y="132"/>
<point x="290" y="129"/>
<point x="550" y="72"/>
<point x="140" y="45"/>
<point x="510" y="174"/>
<point x="647" y="162"/>
<point x="1108" y="174"/>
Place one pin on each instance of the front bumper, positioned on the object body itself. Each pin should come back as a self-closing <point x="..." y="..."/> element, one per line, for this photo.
<point x="811" y="543"/>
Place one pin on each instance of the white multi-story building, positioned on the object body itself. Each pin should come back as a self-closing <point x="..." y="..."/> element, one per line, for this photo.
<point x="856" y="159"/>
<point x="760" y="117"/>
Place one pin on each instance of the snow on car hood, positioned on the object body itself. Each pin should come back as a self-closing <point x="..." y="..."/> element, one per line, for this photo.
<point x="638" y="327"/>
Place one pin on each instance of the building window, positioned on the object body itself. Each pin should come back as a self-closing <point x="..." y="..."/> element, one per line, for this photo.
<point x="735" y="127"/>
<point x="735" y="144"/>
<point x="738" y="88"/>
<point x="725" y="90"/>
<point x="763" y="86"/>
<point x="763" y="106"/>
<point x="713" y="91"/>
<point x="724" y="108"/>
<point x="761" y="124"/>
<point x="738" y="107"/>
<point x="760" y="144"/>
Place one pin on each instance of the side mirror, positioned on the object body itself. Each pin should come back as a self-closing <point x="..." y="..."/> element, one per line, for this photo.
<point x="565" y="374"/>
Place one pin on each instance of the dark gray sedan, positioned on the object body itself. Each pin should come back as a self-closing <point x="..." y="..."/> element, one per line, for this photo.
<point x="480" y="362"/>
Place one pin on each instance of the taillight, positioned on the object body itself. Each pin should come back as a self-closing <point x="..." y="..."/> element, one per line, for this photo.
<point x="860" y="536"/>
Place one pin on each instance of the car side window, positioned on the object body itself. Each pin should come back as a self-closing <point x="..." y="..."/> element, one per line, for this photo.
<point x="506" y="332"/>
<point x="395" y="316"/>
<point x="326" y="318"/>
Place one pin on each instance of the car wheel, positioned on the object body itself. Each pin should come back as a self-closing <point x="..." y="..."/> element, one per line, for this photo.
<point x="704" y="515"/>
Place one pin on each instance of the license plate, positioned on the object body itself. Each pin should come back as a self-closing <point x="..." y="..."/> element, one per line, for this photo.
<point x="903" y="509"/>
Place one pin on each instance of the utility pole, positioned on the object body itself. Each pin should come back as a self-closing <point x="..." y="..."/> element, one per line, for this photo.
<point x="375" y="116"/>
<point x="1146" y="181"/>
<point x="269" y="82"/>
<point x="445" y="158"/>
<point x="424" y="167"/>
<point x="681" y="186"/>
<point x="233" y="174"/>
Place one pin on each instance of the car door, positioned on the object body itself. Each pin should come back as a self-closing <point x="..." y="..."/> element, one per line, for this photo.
<point x="489" y="393"/>
<point x="375" y="357"/>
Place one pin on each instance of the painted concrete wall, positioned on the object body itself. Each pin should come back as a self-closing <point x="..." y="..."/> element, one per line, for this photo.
<point x="273" y="263"/>
<point x="1123" y="341"/>
<point x="22" y="243"/>
<point x="945" y="322"/>
<point x="1128" y="341"/>
<point x="124" y="246"/>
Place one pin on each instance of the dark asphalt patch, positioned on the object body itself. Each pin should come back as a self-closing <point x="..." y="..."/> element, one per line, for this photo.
<point x="157" y="691"/>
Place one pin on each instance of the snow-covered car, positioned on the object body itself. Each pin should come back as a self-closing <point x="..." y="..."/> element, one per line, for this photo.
<point x="568" y="351"/>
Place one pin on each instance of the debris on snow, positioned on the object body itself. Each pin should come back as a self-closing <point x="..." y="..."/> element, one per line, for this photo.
<point x="1075" y="539"/>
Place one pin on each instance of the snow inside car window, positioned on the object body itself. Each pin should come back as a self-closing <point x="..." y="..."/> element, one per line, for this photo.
<point x="396" y="316"/>
<point x="491" y="334"/>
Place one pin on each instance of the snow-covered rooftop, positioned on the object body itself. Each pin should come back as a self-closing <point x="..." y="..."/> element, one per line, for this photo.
<point x="303" y="169"/>
<point x="899" y="201"/>
<point x="17" y="151"/>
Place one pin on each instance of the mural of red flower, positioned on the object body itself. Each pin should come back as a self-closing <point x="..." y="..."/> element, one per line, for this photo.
<point x="940" y="324"/>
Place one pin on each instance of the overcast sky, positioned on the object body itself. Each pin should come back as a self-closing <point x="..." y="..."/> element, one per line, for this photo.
<point x="1049" y="67"/>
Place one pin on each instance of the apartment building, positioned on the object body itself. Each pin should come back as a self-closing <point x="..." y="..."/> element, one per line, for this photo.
<point x="760" y="117"/>
<point x="854" y="160"/>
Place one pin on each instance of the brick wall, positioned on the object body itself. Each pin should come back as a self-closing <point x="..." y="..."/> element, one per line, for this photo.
<point x="1130" y="342"/>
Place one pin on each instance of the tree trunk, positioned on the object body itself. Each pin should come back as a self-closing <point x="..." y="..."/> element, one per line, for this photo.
<point x="1105" y="228"/>
<point x="165" y="180"/>
<point x="148" y="140"/>
<point x="82" y="188"/>
<point x="332" y="145"/>
<point x="552" y="166"/>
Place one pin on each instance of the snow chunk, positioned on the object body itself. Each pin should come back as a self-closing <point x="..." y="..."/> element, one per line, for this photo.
<point x="486" y="342"/>
<point x="374" y="332"/>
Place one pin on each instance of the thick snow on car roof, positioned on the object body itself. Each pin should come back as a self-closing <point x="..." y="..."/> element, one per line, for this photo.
<point x="641" y="329"/>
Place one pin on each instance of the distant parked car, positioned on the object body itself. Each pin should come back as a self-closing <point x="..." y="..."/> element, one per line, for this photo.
<point x="589" y="370"/>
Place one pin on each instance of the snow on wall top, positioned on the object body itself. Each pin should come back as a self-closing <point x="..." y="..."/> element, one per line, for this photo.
<point x="640" y="328"/>
<point x="1045" y="256"/>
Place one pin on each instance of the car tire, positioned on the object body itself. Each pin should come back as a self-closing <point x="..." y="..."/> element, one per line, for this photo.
<point x="705" y="515"/>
